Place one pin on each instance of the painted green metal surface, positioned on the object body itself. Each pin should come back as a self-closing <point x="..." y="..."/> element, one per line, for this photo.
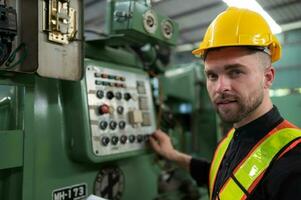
<point x="125" y="18"/>
<point x="39" y="117"/>
<point x="36" y="157"/>
<point x="11" y="154"/>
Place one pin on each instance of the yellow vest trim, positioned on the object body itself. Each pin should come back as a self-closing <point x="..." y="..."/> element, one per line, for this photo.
<point x="255" y="164"/>
<point x="218" y="156"/>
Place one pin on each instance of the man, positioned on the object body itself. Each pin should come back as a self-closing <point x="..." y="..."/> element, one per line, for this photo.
<point x="260" y="158"/>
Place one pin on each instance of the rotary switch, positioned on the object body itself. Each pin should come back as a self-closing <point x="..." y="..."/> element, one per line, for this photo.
<point x="122" y="124"/>
<point x="140" y="138"/>
<point x="127" y="96"/>
<point x="99" y="94"/>
<point x="110" y="95"/>
<point x="105" y="141"/>
<point x="118" y="95"/>
<point x="114" y="140"/>
<point x="103" y="125"/>
<point x="113" y="125"/>
<point x="123" y="139"/>
<point x="132" y="138"/>
<point x="120" y="110"/>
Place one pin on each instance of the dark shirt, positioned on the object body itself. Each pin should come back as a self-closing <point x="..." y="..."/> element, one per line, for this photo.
<point x="282" y="180"/>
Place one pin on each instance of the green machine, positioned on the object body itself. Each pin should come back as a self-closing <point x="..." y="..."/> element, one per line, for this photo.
<point x="72" y="127"/>
<point x="190" y="118"/>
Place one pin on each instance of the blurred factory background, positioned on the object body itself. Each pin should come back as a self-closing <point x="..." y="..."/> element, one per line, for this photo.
<point x="195" y="16"/>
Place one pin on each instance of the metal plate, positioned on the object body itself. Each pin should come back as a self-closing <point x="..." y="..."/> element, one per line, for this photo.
<point x="139" y="119"/>
<point x="74" y="192"/>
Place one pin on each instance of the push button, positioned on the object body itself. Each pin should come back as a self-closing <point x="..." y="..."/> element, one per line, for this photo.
<point x="103" y="109"/>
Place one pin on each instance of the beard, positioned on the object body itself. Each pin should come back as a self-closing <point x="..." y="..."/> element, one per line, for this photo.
<point x="240" y="107"/>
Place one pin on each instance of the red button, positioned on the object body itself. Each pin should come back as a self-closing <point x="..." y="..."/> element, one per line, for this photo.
<point x="103" y="109"/>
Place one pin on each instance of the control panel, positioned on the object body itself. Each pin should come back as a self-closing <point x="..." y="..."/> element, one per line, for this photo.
<point x="121" y="110"/>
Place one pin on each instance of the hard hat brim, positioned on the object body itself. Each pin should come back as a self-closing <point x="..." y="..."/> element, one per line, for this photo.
<point x="198" y="52"/>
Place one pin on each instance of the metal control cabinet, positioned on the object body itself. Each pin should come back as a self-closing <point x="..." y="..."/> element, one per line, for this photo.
<point x="138" y="23"/>
<point x="43" y="37"/>
<point x="116" y="109"/>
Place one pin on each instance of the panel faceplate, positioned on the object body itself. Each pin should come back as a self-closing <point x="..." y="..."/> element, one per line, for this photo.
<point x="120" y="109"/>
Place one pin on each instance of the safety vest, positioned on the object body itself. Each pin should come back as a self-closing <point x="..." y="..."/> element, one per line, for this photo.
<point x="251" y="169"/>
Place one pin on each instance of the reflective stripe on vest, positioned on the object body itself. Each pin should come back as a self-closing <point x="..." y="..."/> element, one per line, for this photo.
<point x="250" y="171"/>
<point x="217" y="159"/>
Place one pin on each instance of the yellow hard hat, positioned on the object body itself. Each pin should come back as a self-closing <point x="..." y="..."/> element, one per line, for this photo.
<point x="239" y="27"/>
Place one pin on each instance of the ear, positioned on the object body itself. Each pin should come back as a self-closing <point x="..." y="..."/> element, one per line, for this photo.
<point x="269" y="76"/>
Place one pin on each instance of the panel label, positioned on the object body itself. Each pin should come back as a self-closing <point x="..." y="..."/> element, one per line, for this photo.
<point x="74" y="192"/>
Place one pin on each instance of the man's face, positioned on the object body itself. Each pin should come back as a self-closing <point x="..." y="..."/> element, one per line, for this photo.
<point x="235" y="82"/>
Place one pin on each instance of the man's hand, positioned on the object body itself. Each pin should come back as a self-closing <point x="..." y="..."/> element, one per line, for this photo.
<point x="161" y="143"/>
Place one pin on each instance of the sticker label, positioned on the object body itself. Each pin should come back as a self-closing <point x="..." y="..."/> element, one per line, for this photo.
<point x="73" y="192"/>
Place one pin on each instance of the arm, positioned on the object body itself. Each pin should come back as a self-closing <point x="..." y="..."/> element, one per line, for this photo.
<point x="161" y="143"/>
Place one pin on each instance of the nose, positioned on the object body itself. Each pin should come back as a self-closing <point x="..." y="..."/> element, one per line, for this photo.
<point x="222" y="84"/>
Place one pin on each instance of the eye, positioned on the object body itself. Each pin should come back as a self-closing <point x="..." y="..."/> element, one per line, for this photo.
<point x="235" y="73"/>
<point x="212" y="76"/>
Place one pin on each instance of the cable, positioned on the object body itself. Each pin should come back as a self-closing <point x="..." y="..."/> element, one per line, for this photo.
<point x="11" y="58"/>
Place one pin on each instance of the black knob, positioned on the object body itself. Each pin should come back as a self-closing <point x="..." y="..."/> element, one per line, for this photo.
<point x="123" y="139"/>
<point x="132" y="138"/>
<point x="118" y="95"/>
<point x="103" y="125"/>
<point x="110" y="95"/>
<point x="127" y="96"/>
<point x="146" y="137"/>
<point x="122" y="124"/>
<point x="105" y="141"/>
<point x="114" y="140"/>
<point x="120" y="110"/>
<point x="99" y="94"/>
<point x="140" y="138"/>
<point x="113" y="125"/>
